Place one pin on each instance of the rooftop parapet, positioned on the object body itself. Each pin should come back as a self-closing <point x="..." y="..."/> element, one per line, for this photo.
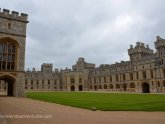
<point x="13" y="15"/>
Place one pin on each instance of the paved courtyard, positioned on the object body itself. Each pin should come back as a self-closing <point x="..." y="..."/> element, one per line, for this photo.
<point x="27" y="111"/>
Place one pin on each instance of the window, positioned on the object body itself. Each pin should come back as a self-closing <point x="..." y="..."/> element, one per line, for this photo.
<point x="80" y="80"/>
<point x="164" y="83"/>
<point x="144" y="75"/>
<point x="161" y="61"/>
<point x="137" y="75"/>
<point x="54" y="82"/>
<point x="158" y="84"/>
<point x="105" y="86"/>
<point x="110" y="78"/>
<point x="25" y="82"/>
<point x="117" y="78"/>
<point x="48" y="82"/>
<point x="94" y="80"/>
<point x="152" y="75"/>
<point x="7" y="56"/>
<point x="9" y="26"/>
<point x="164" y="72"/>
<point x="99" y="79"/>
<point x="131" y="76"/>
<point x="104" y="79"/>
<point x="123" y="75"/>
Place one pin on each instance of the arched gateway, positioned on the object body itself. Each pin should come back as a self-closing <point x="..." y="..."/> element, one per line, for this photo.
<point x="10" y="84"/>
<point x="145" y="88"/>
<point x="12" y="51"/>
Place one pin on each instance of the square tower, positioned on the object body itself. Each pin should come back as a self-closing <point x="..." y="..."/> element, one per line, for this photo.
<point x="12" y="50"/>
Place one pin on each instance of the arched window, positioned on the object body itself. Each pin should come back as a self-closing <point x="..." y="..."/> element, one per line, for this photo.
<point x="7" y="55"/>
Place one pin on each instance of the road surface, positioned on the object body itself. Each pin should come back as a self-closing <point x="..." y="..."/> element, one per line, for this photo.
<point x="26" y="111"/>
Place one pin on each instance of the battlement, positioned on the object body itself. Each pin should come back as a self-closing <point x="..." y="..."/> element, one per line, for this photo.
<point x="47" y="64"/>
<point x="5" y="13"/>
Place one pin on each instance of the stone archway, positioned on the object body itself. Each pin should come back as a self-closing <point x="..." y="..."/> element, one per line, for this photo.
<point x="72" y="88"/>
<point x="10" y="84"/>
<point x="145" y="88"/>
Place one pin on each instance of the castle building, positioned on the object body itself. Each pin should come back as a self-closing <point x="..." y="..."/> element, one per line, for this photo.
<point x="143" y="73"/>
<point x="12" y="52"/>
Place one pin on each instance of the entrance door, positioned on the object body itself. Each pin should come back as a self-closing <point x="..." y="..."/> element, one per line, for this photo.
<point x="145" y="88"/>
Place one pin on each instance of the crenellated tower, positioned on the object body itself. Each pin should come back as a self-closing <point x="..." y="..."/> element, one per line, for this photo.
<point x="139" y="51"/>
<point x="47" y="68"/>
<point x="160" y="46"/>
<point x="12" y="50"/>
<point x="160" y="50"/>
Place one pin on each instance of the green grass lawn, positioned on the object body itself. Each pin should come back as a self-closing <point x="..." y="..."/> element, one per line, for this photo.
<point x="104" y="101"/>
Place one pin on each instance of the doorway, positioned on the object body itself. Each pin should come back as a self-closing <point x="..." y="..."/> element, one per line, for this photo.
<point x="9" y="87"/>
<point x="145" y="88"/>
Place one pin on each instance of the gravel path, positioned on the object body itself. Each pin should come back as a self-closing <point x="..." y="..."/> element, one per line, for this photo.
<point x="27" y="111"/>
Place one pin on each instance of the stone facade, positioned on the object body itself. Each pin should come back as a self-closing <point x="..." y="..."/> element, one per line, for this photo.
<point x="12" y="50"/>
<point x="144" y="73"/>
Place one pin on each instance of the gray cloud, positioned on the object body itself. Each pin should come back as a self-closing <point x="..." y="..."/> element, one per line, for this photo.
<point x="60" y="31"/>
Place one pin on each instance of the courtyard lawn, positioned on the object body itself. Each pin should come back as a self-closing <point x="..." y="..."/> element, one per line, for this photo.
<point x="104" y="101"/>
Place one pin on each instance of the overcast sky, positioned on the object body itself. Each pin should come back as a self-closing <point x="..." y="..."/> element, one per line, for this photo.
<point x="101" y="31"/>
